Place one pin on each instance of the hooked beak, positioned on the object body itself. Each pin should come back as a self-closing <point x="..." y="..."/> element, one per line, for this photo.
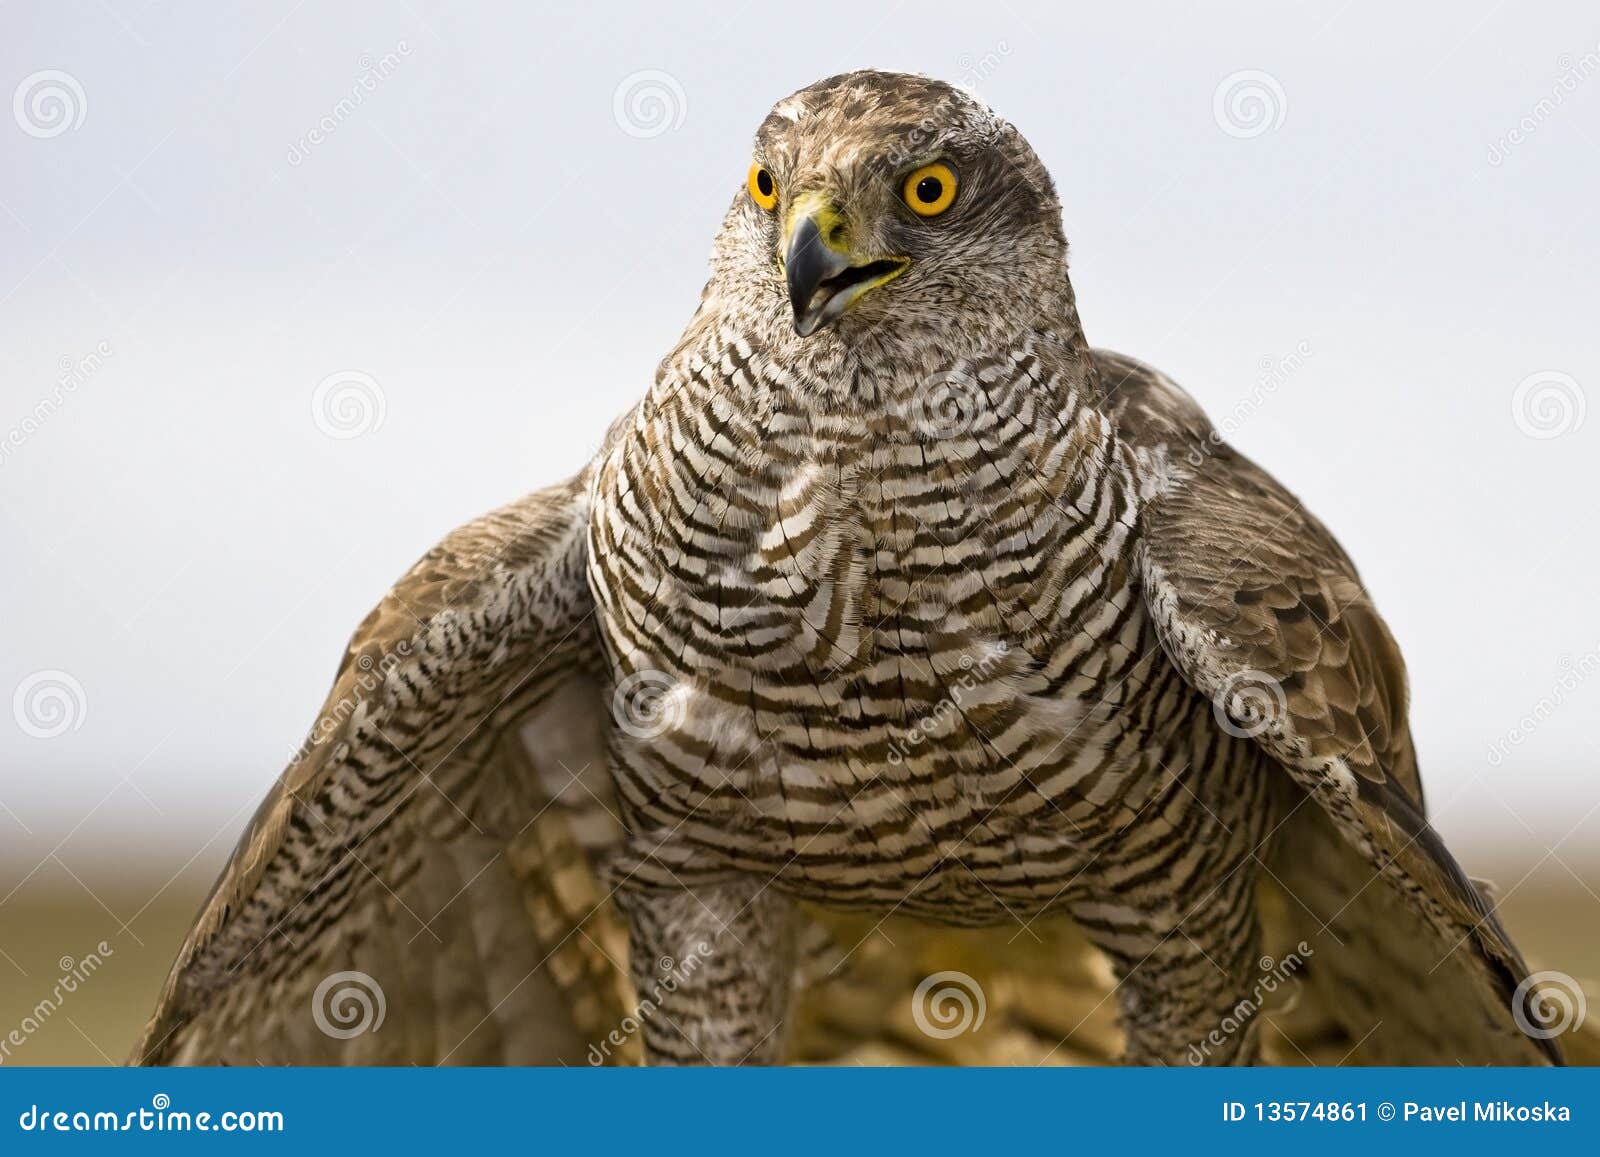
<point x="823" y="276"/>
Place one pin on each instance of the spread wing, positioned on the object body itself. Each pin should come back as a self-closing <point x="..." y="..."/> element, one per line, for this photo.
<point x="416" y="888"/>
<point x="1264" y="613"/>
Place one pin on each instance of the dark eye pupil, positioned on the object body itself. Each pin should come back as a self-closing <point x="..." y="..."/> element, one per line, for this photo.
<point x="929" y="190"/>
<point x="764" y="183"/>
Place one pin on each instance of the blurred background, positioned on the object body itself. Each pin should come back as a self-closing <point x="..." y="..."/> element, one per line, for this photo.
<point x="288" y="292"/>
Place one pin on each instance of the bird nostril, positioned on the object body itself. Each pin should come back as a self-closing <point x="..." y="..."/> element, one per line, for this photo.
<point x="836" y="235"/>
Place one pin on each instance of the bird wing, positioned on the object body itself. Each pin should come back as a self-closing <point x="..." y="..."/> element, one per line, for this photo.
<point x="417" y="886"/>
<point x="372" y="914"/>
<point x="1264" y="614"/>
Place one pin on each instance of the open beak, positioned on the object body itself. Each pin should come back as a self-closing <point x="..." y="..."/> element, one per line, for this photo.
<point x="823" y="275"/>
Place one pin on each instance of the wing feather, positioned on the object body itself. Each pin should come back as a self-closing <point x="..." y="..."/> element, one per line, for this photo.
<point x="1263" y="612"/>
<point x="414" y="872"/>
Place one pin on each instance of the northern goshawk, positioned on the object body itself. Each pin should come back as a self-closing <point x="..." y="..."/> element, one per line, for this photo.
<point x="892" y="597"/>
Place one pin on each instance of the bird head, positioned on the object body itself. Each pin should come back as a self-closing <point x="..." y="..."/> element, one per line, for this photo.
<point x="881" y="201"/>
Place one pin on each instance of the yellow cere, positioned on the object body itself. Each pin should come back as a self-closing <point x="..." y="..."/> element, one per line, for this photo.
<point x="930" y="190"/>
<point x="763" y="189"/>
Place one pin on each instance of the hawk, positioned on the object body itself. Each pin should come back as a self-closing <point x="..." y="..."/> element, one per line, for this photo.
<point x="897" y="635"/>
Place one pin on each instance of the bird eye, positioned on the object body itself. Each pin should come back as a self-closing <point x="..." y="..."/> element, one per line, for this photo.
<point x="763" y="189"/>
<point x="930" y="189"/>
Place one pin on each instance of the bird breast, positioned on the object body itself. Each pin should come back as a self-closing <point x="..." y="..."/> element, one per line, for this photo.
<point x="823" y="622"/>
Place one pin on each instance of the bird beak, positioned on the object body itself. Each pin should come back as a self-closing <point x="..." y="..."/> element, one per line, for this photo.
<point x="823" y="274"/>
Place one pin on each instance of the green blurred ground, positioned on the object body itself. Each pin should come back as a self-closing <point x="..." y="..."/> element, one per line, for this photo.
<point x="1555" y="917"/>
<point x="53" y="920"/>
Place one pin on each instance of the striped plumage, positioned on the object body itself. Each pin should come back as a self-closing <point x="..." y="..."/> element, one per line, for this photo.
<point x="932" y="613"/>
<point x="800" y="588"/>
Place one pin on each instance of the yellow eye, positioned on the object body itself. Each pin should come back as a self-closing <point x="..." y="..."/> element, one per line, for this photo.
<point x="763" y="189"/>
<point x="930" y="189"/>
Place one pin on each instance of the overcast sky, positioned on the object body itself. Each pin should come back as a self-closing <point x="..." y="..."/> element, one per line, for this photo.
<point x="478" y="231"/>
